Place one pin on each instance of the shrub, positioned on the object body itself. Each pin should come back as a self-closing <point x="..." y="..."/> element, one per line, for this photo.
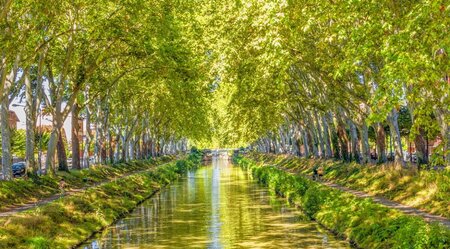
<point x="313" y="199"/>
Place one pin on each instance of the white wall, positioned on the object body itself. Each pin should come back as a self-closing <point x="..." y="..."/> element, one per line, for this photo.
<point x="45" y="120"/>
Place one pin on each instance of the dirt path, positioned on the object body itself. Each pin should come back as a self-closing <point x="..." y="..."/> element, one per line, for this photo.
<point x="381" y="200"/>
<point x="27" y="206"/>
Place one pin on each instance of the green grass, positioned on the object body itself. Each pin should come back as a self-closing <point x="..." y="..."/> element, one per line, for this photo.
<point x="22" y="190"/>
<point x="425" y="190"/>
<point x="365" y="223"/>
<point x="70" y="220"/>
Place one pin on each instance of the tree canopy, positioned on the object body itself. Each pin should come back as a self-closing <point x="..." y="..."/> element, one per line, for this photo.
<point x="307" y="74"/>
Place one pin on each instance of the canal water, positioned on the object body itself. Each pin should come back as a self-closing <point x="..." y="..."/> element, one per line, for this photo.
<point x="217" y="206"/>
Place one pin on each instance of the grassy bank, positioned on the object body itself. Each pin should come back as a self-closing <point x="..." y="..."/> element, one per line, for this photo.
<point x="22" y="190"/>
<point x="426" y="190"/>
<point x="70" y="220"/>
<point x="365" y="223"/>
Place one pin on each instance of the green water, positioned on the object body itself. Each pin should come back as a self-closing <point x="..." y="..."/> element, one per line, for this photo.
<point x="217" y="206"/>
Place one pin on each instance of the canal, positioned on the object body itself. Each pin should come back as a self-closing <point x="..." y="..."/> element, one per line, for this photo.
<point x="217" y="206"/>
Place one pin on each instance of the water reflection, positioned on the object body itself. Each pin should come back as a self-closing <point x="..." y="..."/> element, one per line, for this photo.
<point x="215" y="225"/>
<point x="214" y="207"/>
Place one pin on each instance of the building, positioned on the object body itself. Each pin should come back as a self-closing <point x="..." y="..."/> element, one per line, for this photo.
<point x="13" y="120"/>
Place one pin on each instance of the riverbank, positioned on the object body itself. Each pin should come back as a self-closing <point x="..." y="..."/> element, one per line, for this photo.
<point x="24" y="191"/>
<point x="217" y="206"/>
<point x="363" y="222"/>
<point x="428" y="191"/>
<point x="67" y="222"/>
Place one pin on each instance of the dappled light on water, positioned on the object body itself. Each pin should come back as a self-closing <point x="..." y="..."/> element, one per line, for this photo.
<point x="217" y="206"/>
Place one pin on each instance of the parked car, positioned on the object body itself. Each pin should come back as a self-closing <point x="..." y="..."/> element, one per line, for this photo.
<point x="18" y="169"/>
<point x="414" y="157"/>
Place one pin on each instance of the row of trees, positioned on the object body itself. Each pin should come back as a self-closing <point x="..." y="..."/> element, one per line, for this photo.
<point x="129" y="67"/>
<point x="151" y="74"/>
<point x="322" y="74"/>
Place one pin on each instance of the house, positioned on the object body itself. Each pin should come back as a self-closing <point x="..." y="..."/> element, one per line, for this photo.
<point x="13" y="120"/>
<point x="432" y="145"/>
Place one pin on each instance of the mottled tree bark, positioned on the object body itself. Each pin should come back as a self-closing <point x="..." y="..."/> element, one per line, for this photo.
<point x="62" y="156"/>
<point x="365" y="149"/>
<point x="30" y="111"/>
<point x="343" y="140"/>
<point x="6" y="139"/>
<point x="320" y="138"/>
<point x="421" y="147"/>
<point x="326" y="136"/>
<point x="354" y="141"/>
<point x="393" y="124"/>
<point x="381" y="143"/>
<point x="75" y="140"/>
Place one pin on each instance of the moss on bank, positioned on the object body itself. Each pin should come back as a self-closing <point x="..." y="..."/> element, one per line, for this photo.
<point x="367" y="224"/>
<point x="71" y="220"/>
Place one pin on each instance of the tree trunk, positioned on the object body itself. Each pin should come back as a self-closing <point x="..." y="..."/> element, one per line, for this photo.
<point x="131" y="149"/>
<point x="88" y="132"/>
<point x="313" y="140"/>
<point x="393" y="124"/>
<point x="421" y="147"/>
<point x="75" y="138"/>
<point x="51" y="150"/>
<point x="111" y="150"/>
<point x="6" y="139"/>
<point x="117" y="149"/>
<point x="152" y="146"/>
<point x="305" y="143"/>
<point x="442" y="117"/>
<point x="364" y="133"/>
<point x="354" y="141"/>
<point x="319" y="135"/>
<point x="343" y="140"/>
<point x="103" y="153"/>
<point x="144" y="149"/>
<point x="381" y="143"/>
<point x="124" y="149"/>
<point x="334" y="137"/>
<point x="326" y="136"/>
<point x="62" y="156"/>
<point x="30" y="111"/>
<point x="88" y="139"/>
<point x="138" y="147"/>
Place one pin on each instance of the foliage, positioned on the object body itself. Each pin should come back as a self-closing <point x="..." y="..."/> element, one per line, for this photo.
<point x="18" y="142"/>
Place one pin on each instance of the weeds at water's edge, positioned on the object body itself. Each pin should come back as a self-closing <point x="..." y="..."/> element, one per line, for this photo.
<point x="367" y="224"/>
<point x="122" y="215"/>
<point x="425" y="190"/>
<point x="71" y="220"/>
